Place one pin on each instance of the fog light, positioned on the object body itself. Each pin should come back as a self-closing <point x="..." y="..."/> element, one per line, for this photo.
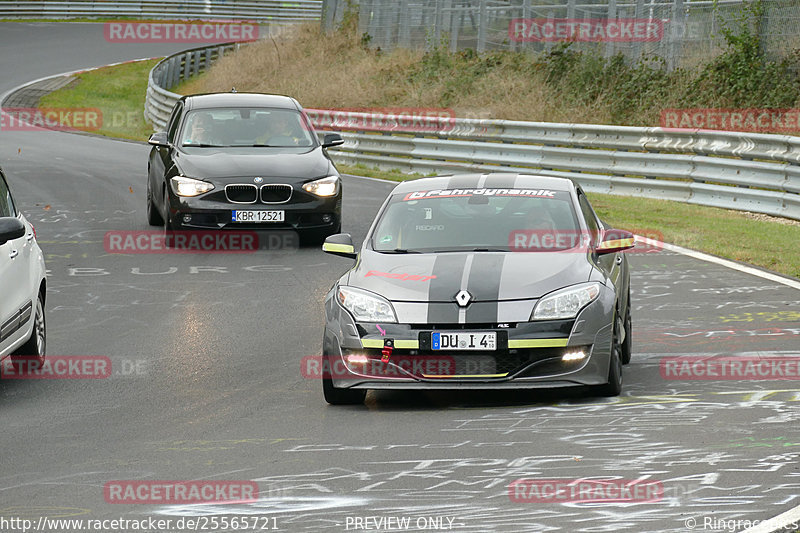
<point x="356" y="359"/>
<point x="187" y="218"/>
<point x="573" y="356"/>
<point x="326" y="218"/>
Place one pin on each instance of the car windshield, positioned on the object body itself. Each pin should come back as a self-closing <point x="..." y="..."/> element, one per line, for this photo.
<point x="247" y="127"/>
<point x="477" y="220"/>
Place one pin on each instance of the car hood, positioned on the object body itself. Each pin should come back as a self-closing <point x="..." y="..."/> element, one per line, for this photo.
<point x="209" y="163"/>
<point x="488" y="276"/>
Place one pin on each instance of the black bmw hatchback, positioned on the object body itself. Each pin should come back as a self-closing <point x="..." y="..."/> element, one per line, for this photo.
<point x="243" y="161"/>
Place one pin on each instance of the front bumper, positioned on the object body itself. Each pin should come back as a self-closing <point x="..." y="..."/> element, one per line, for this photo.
<point x="528" y="354"/>
<point x="211" y="213"/>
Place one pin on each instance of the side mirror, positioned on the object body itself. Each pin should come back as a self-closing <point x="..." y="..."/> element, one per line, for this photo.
<point x="615" y="240"/>
<point x="332" y="139"/>
<point x="11" y="228"/>
<point x="340" y="244"/>
<point x="158" y="139"/>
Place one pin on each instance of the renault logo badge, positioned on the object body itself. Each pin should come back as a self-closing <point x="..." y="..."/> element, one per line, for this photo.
<point x="463" y="298"/>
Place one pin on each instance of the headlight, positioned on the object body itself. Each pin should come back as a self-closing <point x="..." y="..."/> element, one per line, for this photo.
<point x="325" y="187"/>
<point x="366" y="306"/>
<point x="565" y="303"/>
<point x="183" y="186"/>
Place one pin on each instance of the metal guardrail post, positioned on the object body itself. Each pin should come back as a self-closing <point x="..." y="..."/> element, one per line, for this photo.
<point x="612" y="15"/>
<point x="483" y="23"/>
<point x="457" y="20"/>
<point x="404" y="31"/>
<point x="437" y="24"/>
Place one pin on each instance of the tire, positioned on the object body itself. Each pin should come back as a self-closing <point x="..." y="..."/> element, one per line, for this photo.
<point x="614" y="385"/>
<point x="35" y="347"/>
<point x="336" y="396"/>
<point x="626" y="348"/>
<point x="169" y="224"/>
<point x="154" y="218"/>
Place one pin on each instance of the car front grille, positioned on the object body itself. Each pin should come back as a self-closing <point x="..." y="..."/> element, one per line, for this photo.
<point x="241" y="193"/>
<point x="276" y="193"/>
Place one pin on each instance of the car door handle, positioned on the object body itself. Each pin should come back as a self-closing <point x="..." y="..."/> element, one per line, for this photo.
<point x="13" y="254"/>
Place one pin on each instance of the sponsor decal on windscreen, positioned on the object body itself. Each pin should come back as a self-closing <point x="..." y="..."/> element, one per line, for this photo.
<point x="454" y="193"/>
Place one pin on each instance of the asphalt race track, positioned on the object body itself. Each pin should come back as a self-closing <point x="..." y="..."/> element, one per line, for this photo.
<point x="206" y="381"/>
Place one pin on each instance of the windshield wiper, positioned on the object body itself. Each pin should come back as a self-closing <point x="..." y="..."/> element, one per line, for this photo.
<point x="479" y="249"/>
<point x="399" y="251"/>
<point x="201" y="145"/>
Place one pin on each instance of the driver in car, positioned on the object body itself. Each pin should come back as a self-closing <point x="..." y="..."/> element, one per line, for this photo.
<point x="279" y="131"/>
<point x="200" y="130"/>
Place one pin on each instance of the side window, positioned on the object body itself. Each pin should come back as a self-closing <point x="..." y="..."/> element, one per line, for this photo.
<point x="174" y="121"/>
<point x="6" y="204"/>
<point x="589" y="216"/>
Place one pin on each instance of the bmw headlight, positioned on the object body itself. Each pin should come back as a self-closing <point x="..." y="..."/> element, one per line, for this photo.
<point x="183" y="186"/>
<point x="366" y="306"/>
<point x="566" y="303"/>
<point x="324" y="187"/>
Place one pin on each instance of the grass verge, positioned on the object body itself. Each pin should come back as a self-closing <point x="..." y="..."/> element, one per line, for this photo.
<point x="118" y="92"/>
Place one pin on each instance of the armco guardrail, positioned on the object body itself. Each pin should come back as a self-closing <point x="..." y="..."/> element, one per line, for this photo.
<point x="273" y="11"/>
<point x="731" y="170"/>
<point x="172" y="70"/>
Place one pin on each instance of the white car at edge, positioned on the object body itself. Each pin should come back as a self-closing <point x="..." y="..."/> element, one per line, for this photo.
<point x="23" y="283"/>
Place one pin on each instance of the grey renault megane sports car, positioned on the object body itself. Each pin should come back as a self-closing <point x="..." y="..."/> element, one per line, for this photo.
<point x="479" y="281"/>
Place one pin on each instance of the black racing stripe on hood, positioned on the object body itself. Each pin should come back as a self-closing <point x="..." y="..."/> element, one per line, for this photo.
<point x="504" y="182"/>
<point x="485" y="273"/>
<point x="448" y="270"/>
<point x="464" y="182"/>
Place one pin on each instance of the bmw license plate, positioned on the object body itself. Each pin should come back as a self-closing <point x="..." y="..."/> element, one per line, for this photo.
<point x="446" y="340"/>
<point x="258" y="216"/>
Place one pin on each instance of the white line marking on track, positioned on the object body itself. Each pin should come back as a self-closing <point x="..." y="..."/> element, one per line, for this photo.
<point x="789" y="282"/>
<point x="778" y="523"/>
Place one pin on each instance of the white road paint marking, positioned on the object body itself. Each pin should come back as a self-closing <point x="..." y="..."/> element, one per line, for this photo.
<point x="779" y="523"/>
<point x="795" y="284"/>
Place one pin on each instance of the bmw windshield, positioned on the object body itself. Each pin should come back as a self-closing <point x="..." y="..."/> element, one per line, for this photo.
<point x="246" y="127"/>
<point x="477" y="220"/>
